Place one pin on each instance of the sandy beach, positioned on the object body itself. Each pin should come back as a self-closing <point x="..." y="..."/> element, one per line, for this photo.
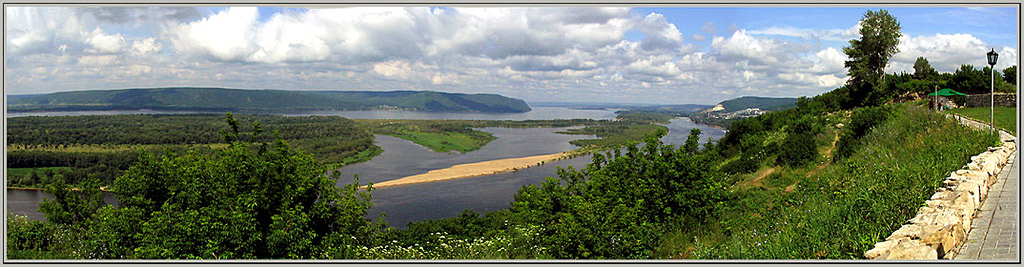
<point x="475" y="169"/>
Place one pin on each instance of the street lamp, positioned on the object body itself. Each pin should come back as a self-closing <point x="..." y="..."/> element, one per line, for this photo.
<point x="936" y="95"/>
<point x="992" y="57"/>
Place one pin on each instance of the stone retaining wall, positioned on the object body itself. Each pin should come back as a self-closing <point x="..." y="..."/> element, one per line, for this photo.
<point x="984" y="100"/>
<point x="943" y="224"/>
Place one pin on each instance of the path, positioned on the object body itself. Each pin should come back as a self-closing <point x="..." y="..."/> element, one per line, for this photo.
<point x="995" y="233"/>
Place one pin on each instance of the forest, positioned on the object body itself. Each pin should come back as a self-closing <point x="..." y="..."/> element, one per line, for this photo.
<point x="106" y="145"/>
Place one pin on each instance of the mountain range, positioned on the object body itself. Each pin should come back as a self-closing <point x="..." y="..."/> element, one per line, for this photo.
<point x="244" y="100"/>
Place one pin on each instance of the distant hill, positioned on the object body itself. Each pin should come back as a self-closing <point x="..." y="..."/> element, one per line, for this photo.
<point x="763" y="103"/>
<point x="678" y="110"/>
<point x="223" y="99"/>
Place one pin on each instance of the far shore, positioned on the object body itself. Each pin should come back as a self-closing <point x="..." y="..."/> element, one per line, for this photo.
<point x="476" y="169"/>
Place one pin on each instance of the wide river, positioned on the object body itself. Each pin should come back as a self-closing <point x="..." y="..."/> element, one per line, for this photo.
<point x="441" y="199"/>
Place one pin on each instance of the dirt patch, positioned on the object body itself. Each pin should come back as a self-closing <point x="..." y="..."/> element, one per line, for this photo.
<point x="758" y="177"/>
<point x="828" y="158"/>
<point x="790" y="188"/>
<point x="474" y="169"/>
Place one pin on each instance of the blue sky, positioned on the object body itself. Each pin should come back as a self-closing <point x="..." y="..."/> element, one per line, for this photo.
<point x="677" y="55"/>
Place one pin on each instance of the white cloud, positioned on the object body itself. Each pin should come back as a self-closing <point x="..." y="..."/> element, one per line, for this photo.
<point x="226" y="35"/>
<point x="145" y="47"/>
<point x="744" y="47"/>
<point x="660" y="35"/>
<point x="946" y="52"/>
<point x="829" y="61"/>
<point x="699" y="37"/>
<point x="96" y="60"/>
<point x="105" y="43"/>
<point x="659" y="68"/>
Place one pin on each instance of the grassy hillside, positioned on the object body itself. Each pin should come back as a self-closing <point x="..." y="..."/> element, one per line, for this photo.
<point x="866" y="179"/>
<point x="222" y="99"/>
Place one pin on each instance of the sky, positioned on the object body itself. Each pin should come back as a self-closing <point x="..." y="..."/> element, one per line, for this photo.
<point x="679" y="55"/>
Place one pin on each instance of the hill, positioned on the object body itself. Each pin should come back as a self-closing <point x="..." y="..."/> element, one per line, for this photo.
<point x="763" y="103"/>
<point x="223" y="99"/>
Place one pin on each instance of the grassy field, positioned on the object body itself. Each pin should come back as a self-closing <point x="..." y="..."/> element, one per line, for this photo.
<point x="444" y="141"/>
<point x="1005" y="117"/>
<point x="19" y="172"/>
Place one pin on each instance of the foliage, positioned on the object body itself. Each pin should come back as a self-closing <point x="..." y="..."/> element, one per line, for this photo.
<point x="861" y="122"/>
<point x="649" y="117"/>
<point x="628" y="127"/>
<point x="846" y="208"/>
<point x="969" y="80"/>
<point x="870" y="54"/>
<point x="1010" y="75"/>
<point x="923" y="70"/>
<point x="105" y="146"/>
<point x="620" y="204"/>
<point x="250" y="200"/>
<point x="799" y="146"/>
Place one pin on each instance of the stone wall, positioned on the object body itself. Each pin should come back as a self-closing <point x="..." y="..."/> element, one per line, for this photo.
<point x="984" y="100"/>
<point x="943" y="224"/>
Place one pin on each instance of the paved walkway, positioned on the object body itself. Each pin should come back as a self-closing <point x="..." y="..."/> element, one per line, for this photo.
<point x="995" y="233"/>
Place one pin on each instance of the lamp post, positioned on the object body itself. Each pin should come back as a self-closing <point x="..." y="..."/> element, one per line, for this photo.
<point x="992" y="57"/>
<point x="936" y="95"/>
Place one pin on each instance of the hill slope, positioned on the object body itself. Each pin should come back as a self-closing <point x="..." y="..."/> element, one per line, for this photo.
<point x="763" y="103"/>
<point x="221" y="99"/>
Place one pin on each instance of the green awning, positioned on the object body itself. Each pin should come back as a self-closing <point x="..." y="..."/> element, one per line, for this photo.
<point x="947" y="92"/>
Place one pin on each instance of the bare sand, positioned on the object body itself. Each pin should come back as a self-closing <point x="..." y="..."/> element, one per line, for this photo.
<point x="475" y="169"/>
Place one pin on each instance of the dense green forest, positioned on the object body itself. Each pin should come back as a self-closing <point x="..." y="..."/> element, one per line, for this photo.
<point x="106" y="145"/>
<point x="825" y="179"/>
<point x="222" y="99"/>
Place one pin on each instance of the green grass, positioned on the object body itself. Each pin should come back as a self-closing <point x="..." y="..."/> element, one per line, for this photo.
<point x="19" y="172"/>
<point x="1005" y="117"/>
<point x="444" y="141"/>
<point x="843" y="209"/>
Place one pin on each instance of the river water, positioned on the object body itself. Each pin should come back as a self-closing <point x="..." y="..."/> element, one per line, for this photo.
<point x="441" y="199"/>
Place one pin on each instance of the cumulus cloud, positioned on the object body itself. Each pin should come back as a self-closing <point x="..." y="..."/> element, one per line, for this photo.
<point x="146" y="46"/>
<point x="226" y="35"/>
<point x="744" y="47"/>
<point x="553" y="54"/>
<point x="946" y="52"/>
<point x="659" y="34"/>
<point x="105" y="43"/>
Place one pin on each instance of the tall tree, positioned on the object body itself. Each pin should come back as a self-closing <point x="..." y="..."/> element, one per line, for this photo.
<point x="879" y="36"/>
<point x="923" y="70"/>
<point x="1010" y="75"/>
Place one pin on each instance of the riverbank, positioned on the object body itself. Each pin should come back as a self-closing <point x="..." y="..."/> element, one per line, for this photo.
<point x="478" y="169"/>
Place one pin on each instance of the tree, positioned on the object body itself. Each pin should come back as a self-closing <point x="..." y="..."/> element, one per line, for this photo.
<point x="1010" y="75"/>
<point x="249" y="200"/>
<point x="879" y="36"/>
<point x="923" y="70"/>
<point x="969" y="80"/>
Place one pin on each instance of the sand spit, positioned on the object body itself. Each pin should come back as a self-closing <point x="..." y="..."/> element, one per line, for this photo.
<point x="475" y="169"/>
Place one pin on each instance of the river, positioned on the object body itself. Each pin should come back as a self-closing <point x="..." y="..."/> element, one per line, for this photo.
<point x="442" y="199"/>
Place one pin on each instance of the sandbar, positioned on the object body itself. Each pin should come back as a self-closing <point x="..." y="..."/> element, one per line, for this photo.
<point x="475" y="169"/>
